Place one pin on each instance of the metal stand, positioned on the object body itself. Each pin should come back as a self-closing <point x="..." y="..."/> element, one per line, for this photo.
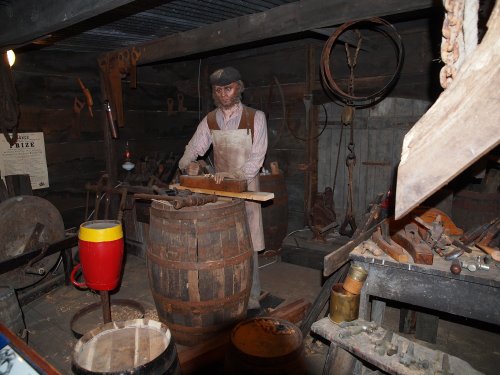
<point x="106" y="306"/>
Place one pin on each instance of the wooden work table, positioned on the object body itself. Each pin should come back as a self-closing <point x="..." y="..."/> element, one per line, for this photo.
<point x="407" y="357"/>
<point x="474" y="295"/>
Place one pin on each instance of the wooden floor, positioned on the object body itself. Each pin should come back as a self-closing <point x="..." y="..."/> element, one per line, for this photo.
<point x="48" y="318"/>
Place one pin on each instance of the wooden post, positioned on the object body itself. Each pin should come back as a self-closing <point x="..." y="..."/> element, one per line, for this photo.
<point x="311" y="175"/>
<point x="109" y="151"/>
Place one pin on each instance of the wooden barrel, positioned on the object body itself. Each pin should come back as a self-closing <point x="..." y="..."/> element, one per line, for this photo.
<point x="274" y="212"/>
<point x="265" y="345"/>
<point x="139" y="346"/>
<point x="200" y="267"/>
<point x="11" y="315"/>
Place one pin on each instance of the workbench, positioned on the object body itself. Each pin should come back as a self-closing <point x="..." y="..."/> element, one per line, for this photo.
<point x="392" y="353"/>
<point x="474" y="295"/>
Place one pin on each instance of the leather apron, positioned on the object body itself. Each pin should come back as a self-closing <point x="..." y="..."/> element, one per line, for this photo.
<point x="232" y="149"/>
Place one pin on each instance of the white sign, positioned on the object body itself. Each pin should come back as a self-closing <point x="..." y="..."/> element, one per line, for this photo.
<point x="26" y="156"/>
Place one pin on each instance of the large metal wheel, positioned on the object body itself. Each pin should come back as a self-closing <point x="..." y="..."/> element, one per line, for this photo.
<point x="18" y="219"/>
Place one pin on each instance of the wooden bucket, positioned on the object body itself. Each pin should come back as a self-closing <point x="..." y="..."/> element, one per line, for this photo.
<point x="200" y="267"/>
<point x="265" y="345"/>
<point x="274" y="212"/>
<point x="139" y="346"/>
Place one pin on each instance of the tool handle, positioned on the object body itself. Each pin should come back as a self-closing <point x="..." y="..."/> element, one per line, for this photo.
<point x="149" y="197"/>
<point x="111" y="123"/>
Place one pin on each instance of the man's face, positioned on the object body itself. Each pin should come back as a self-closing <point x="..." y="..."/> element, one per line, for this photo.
<point x="226" y="96"/>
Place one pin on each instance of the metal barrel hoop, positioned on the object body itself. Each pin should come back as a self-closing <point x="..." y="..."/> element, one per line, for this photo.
<point x="326" y="72"/>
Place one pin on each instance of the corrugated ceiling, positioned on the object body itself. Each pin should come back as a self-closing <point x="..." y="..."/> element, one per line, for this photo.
<point x="145" y="20"/>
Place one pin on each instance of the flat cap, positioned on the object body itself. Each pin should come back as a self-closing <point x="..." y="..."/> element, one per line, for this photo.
<point x="224" y="76"/>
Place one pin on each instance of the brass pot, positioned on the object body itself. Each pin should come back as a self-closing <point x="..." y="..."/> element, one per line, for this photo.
<point x="344" y="306"/>
<point x="355" y="279"/>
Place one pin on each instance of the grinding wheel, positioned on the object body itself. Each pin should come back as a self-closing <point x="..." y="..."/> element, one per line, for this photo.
<point x="19" y="217"/>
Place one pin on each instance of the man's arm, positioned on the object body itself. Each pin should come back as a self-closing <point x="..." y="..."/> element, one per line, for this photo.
<point x="259" y="148"/>
<point x="198" y="145"/>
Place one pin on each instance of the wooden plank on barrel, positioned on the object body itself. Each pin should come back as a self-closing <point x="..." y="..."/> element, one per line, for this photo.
<point x="293" y="312"/>
<point x="259" y="196"/>
<point x="234" y="185"/>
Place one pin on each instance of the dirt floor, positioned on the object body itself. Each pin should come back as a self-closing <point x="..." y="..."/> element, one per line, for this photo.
<point x="48" y="318"/>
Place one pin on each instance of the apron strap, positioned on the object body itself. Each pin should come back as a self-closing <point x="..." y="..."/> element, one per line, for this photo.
<point x="246" y="121"/>
<point x="212" y="121"/>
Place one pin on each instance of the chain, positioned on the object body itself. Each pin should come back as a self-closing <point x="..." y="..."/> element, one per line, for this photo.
<point x="351" y="62"/>
<point x="347" y="119"/>
<point x="452" y="41"/>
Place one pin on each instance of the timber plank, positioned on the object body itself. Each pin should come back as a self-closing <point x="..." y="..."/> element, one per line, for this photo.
<point x="260" y="196"/>
<point x="449" y="131"/>
<point x="204" y="182"/>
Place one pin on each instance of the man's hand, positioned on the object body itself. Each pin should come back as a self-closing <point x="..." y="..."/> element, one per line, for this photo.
<point x="221" y="175"/>
<point x="184" y="162"/>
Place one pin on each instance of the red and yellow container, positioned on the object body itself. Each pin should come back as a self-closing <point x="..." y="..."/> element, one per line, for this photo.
<point x="100" y="244"/>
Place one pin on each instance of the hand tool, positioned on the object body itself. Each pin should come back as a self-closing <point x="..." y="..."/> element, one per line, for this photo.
<point x="445" y="366"/>
<point x="180" y="202"/>
<point x="486" y="238"/>
<point x="474" y="265"/>
<point x="408" y="357"/>
<point x="355" y="328"/>
<point x="437" y="239"/>
<point x="390" y="247"/>
<point x="455" y="267"/>
<point x="410" y="240"/>
<point x="88" y="97"/>
<point x="453" y="254"/>
<point x="111" y="123"/>
<point x="471" y="236"/>
<point x="385" y="345"/>
<point x="371" y="248"/>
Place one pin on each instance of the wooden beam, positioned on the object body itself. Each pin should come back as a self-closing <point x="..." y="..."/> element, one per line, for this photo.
<point x="279" y="21"/>
<point x="336" y="259"/>
<point x="25" y="21"/>
<point x="457" y="130"/>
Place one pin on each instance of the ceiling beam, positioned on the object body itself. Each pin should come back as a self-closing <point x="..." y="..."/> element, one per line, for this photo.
<point x="279" y="21"/>
<point x="25" y="21"/>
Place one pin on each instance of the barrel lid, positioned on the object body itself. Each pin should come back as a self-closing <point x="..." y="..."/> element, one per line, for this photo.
<point x="266" y="337"/>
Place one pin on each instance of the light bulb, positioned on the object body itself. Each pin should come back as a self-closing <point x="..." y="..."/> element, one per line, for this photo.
<point x="11" y="57"/>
